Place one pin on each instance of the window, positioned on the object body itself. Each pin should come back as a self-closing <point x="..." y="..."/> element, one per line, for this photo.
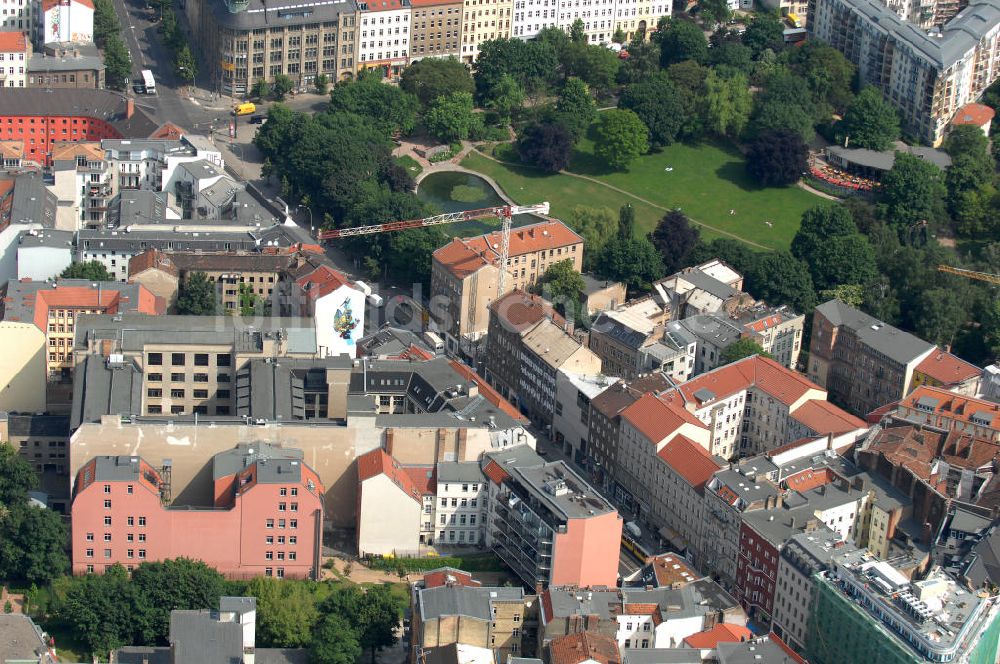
<point x="177" y="377"/>
<point x="154" y="359"/>
<point x="201" y="394"/>
<point x="107" y="521"/>
<point x="282" y="507"/>
<point x="90" y="553"/>
<point x="222" y="378"/>
<point x="154" y="393"/>
<point x="268" y="571"/>
<point x="200" y="359"/>
<point x="294" y="507"/>
<point x="142" y="554"/>
<point x="281" y="523"/>
<point x="90" y="537"/>
<point x="269" y="555"/>
<point x="281" y="572"/>
<point x="222" y="360"/>
<point x="131" y="521"/>
<point x="142" y="522"/>
<point x="295" y="491"/>
<point x="222" y="394"/>
<point x="107" y="488"/>
<point x="201" y="378"/>
<point x="177" y="359"/>
<point x="129" y="489"/>
<point x="269" y="523"/>
<point x="177" y="394"/>
<point x="130" y="537"/>
<point x="294" y="523"/>
<point x="107" y="553"/>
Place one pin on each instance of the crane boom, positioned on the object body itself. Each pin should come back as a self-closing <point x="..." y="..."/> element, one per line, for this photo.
<point x="503" y="212"/>
<point x="971" y="274"/>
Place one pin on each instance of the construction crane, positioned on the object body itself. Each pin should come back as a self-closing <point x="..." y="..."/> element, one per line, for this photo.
<point x="971" y="274"/>
<point x="504" y="213"/>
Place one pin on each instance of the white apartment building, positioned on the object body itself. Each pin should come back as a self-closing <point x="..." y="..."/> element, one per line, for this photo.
<point x="598" y="18"/>
<point x="532" y="16"/>
<point x="150" y="164"/>
<point x="14" y="53"/>
<point x="15" y="15"/>
<point x="384" y="36"/>
<point x="459" y="514"/>
<point x="639" y="17"/>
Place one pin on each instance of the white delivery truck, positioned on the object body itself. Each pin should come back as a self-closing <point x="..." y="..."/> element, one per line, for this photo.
<point x="434" y="341"/>
<point x="633" y="529"/>
<point x="363" y="287"/>
<point x="375" y="299"/>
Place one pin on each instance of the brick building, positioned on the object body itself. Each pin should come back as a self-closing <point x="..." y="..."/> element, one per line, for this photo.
<point x="38" y="118"/>
<point x="266" y="517"/>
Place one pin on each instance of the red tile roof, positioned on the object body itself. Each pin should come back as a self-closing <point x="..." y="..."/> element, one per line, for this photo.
<point x="823" y="417"/>
<point x="656" y="418"/>
<point x="486" y="391"/>
<point x="690" y="461"/>
<point x="520" y="310"/>
<point x="579" y="647"/>
<point x="149" y="259"/>
<point x="670" y="568"/>
<point x="952" y="405"/>
<point x="322" y="281"/>
<point x="449" y="576"/>
<point x="721" y="633"/>
<point x="809" y="479"/>
<point x="776" y="380"/>
<point x="168" y="130"/>
<point x="414" y="481"/>
<point x="12" y="42"/>
<point x="948" y="369"/>
<point x="385" y="5"/>
<point x="974" y="114"/>
<point x="463" y="256"/>
<point x="495" y="472"/>
<point x="546" y="600"/>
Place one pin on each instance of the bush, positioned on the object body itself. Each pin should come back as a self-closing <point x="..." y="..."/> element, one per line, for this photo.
<point x="480" y="562"/>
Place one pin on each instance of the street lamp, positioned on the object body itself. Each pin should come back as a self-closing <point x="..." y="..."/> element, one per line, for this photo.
<point x="312" y="230"/>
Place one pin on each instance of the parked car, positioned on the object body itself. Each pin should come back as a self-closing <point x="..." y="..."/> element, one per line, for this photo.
<point x="258" y="119"/>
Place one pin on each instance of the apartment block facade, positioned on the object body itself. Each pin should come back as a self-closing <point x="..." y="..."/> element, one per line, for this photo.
<point x="384" y="36"/>
<point x="435" y="29"/>
<point x="464" y="272"/>
<point x="548" y="525"/>
<point x="926" y="75"/>
<point x="511" y="316"/>
<point x="267" y="502"/>
<point x="862" y="362"/>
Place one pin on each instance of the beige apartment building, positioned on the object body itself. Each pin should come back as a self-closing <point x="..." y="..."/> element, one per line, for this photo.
<point x="449" y="607"/>
<point x="22" y="374"/>
<point x="483" y="20"/>
<point x="435" y="29"/>
<point x="243" y="41"/>
<point x="464" y="273"/>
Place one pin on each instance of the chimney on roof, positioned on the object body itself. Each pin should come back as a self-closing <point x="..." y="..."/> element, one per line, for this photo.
<point x="829" y="441"/>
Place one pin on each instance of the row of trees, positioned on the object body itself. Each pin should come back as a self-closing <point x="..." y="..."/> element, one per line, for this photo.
<point x="107" y="37"/>
<point x="118" y="608"/>
<point x="185" y="64"/>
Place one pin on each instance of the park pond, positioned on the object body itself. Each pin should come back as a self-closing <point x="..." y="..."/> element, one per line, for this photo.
<point x="451" y="191"/>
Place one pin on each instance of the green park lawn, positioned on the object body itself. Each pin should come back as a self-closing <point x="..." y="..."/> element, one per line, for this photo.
<point x="707" y="181"/>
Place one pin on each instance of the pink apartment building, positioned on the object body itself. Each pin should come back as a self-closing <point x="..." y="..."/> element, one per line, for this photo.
<point x="266" y="518"/>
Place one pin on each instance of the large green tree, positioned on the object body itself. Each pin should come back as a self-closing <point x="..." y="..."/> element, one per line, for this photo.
<point x="870" y="121"/>
<point x="169" y="585"/>
<point x="531" y="63"/>
<point x="506" y="98"/>
<point x="643" y="60"/>
<point x="100" y="610"/>
<point x="561" y="284"/>
<point x="727" y="103"/>
<point x="621" y="138"/>
<point x="386" y="106"/>
<point x="16" y="476"/>
<point x="765" y="32"/>
<point x="575" y="108"/>
<point x="681" y="40"/>
<point x="450" y="118"/>
<point x="430" y="78"/>
<point x="197" y="296"/>
<point x="912" y="192"/>
<point x="777" y="277"/>
<point x="829" y="244"/>
<point x="334" y="641"/>
<point x="372" y="612"/>
<point x="744" y="347"/>
<point x="632" y="260"/>
<point x="117" y="63"/>
<point x="92" y="270"/>
<point x="658" y="103"/>
<point x="596" y="226"/>
<point x="596" y="65"/>
<point x="185" y="64"/>
<point x="105" y="22"/>
<point x="287" y="612"/>
<point x="32" y="544"/>
<point x="971" y="183"/>
<point x="827" y="72"/>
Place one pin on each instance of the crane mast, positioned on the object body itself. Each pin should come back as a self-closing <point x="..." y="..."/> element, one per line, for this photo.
<point x="504" y="212"/>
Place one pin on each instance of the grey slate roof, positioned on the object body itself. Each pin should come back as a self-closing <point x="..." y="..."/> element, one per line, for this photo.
<point x="116" y="468"/>
<point x="49" y="426"/>
<point x="47" y="238"/>
<point x="662" y="656"/>
<point x="20" y="296"/>
<point x="618" y="331"/>
<point x="20" y="638"/>
<point x="759" y="651"/>
<point x="712" y="329"/>
<point x="463" y="601"/>
<point x="40" y="62"/>
<point x="883" y="161"/>
<point x="579" y="502"/>
<point x="892" y="342"/>
<point x="390" y="341"/>
<point x="982" y="565"/>
<point x="708" y="284"/>
<point x="260" y="14"/>
<point x="274" y="465"/>
<point x="592" y="284"/>
<point x="33" y="203"/>
<point x="137" y="206"/>
<point x="573" y="602"/>
<point x="459" y="471"/>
